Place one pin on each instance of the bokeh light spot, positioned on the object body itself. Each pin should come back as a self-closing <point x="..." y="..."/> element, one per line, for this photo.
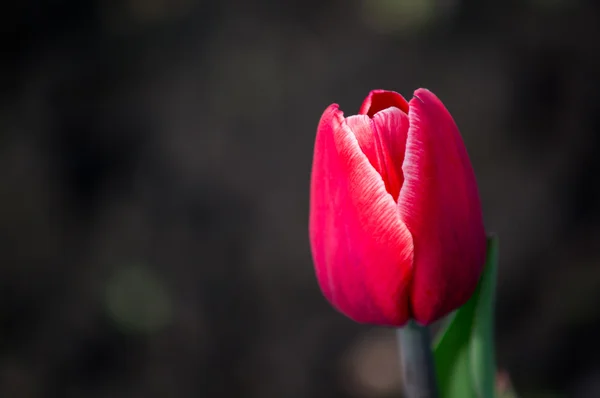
<point x="137" y="300"/>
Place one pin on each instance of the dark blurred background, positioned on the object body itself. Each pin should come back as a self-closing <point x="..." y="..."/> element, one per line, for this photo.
<point x="154" y="167"/>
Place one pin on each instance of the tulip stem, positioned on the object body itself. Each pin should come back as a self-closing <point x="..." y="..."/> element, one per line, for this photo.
<point x="416" y="360"/>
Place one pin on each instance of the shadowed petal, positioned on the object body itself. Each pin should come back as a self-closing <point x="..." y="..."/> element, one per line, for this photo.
<point x="378" y="100"/>
<point x="440" y="205"/>
<point x="383" y="139"/>
<point x="361" y="249"/>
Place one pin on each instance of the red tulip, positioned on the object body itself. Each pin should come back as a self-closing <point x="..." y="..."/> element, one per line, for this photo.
<point x="396" y="227"/>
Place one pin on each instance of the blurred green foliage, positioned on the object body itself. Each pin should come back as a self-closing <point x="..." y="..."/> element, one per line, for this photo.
<point x="137" y="300"/>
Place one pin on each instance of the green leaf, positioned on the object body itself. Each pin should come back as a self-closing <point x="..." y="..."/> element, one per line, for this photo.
<point x="464" y="353"/>
<point x="482" y="334"/>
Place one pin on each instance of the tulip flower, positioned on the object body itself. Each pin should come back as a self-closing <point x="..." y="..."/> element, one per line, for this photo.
<point x="396" y="227"/>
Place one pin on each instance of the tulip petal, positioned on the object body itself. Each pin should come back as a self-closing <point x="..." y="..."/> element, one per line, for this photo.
<point x="440" y="205"/>
<point x="361" y="248"/>
<point x="378" y="100"/>
<point x="383" y="140"/>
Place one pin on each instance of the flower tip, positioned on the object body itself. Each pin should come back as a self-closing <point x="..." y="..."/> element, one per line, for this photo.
<point x="332" y="108"/>
<point x="423" y="95"/>
<point x="331" y="114"/>
<point x="378" y="100"/>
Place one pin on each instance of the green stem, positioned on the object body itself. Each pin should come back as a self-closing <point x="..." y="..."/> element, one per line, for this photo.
<point x="416" y="360"/>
